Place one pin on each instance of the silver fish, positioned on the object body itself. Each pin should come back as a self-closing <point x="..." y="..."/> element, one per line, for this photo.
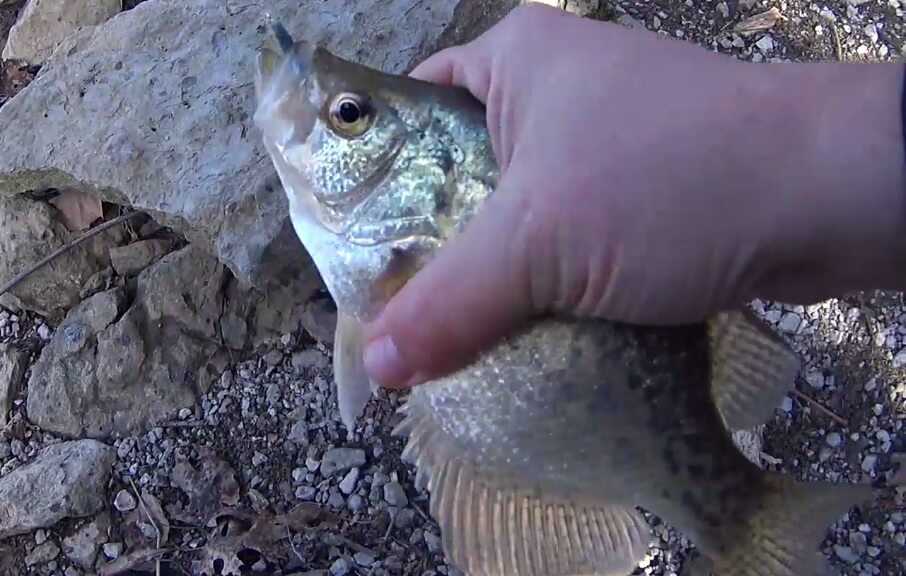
<point x="538" y="455"/>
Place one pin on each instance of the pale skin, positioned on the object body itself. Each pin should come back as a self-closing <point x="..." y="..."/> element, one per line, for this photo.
<point x="644" y="179"/>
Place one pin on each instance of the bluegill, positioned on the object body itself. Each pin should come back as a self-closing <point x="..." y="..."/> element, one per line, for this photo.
<point x="539" y="455"/>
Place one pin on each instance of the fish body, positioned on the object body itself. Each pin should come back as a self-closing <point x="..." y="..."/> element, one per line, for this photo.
<point x="537" y="455"/>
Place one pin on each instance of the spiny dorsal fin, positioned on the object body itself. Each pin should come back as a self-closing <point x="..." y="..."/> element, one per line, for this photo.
<point x="491" y="527"/>
<point x="751" y="369"/>
<point x="354" y="388"/>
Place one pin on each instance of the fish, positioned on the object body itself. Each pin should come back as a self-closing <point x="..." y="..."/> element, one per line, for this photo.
<point x="539" y="456"/>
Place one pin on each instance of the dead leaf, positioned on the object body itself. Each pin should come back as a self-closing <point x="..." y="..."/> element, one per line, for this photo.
<point x="266" y="535"/>
<point x="78" y="210"/>
<point x="759" y="22"/>
<point x="146" y="523"/>
<point x="129" y="561"/>
<point x="210" y="487"/>
<point x="304" y="515"/>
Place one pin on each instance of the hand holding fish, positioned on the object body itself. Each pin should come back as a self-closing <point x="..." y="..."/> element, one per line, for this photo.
<point x="648" y="180"/>
<point x="538" y="454"/>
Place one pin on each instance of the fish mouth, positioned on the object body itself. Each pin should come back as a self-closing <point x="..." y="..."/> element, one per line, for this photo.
<point x="285" y="112"/>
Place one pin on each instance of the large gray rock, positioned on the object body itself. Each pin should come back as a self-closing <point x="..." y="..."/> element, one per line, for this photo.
<point x="43" y="24"/>
<point x="118" y="367"/>
<point x="66" y="480"/>
<point x="30" y="231"/>
<point x="13" y="363"/>
<point x="153" y="109"/>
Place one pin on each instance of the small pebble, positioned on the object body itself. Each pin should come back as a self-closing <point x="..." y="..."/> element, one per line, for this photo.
<point x="364" y="559"/>
<point x="124" y="501"/>
<point x="791" y="321"/>
<point x="395" y="495"/>
<point x="348" y="484"/>
<point x="834" y="439"/>
<point x="112" y="550"/>
<point x="340" y="567"/>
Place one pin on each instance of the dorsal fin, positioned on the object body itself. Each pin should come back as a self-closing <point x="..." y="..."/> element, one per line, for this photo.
<point x="751" y="369"/>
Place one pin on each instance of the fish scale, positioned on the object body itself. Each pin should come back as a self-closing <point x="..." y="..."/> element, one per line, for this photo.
<point x="539" y="455"/>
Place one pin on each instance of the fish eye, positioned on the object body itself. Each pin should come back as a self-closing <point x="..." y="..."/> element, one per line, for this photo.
<point x="350" y="114"/>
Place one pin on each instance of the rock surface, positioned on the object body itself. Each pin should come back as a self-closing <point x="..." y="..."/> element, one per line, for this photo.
<point x="177" y="139"/>
<point x="13" y="363"/>
<point x="112" y="367"/>
<point x="66" y="480"/>
<point x="31" y="231"/>
<point x="44" y="24"/>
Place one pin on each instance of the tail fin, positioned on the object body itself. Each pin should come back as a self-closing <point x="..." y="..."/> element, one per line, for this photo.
<point x="785" y="532"/>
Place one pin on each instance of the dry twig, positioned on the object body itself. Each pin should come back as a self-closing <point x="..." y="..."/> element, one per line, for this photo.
<point x="65" y="248"/>
<point x="150" y="519"/>
<point x="826" y="411"/>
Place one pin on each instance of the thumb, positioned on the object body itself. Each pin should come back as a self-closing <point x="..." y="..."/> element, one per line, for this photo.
<point x="473" y="292"/>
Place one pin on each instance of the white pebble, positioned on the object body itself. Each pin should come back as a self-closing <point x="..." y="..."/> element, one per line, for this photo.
<point x="766" y="45"/>
<point x="834" y="439"/>
<point x="790" y="322"/>
<point x="124" y="501"/>
<point x="883" y="435"/>
<point x="787" y="404"/>
<point x="44" y="332"/>
<point x="348" y="484"/>
<point x="868" y="463"/>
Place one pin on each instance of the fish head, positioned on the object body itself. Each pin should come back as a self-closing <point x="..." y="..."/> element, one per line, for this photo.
<point x="372" y="163"/>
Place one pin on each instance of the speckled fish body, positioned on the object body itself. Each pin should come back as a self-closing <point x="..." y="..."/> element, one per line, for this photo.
<point x="536" y="455"/>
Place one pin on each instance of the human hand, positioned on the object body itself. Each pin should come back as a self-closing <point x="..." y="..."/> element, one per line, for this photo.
<point x="644" y="179"/>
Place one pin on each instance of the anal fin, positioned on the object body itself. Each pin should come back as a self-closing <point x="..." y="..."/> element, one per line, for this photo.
<point x="784" y="534"/>
<point x="354" y="388"/>
<point x="751" y="369"/>
<point x="494" y="526"/>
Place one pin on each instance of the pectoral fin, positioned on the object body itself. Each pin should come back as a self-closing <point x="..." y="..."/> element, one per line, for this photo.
<point x="751" y="369"/>
<point x="491" y="526"/>
<point x="354" y="388"/>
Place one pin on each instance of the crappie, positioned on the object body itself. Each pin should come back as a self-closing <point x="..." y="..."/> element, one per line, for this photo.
<point x="536" y="455"/>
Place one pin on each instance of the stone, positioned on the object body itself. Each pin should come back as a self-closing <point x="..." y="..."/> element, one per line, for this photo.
<point x="341" y="459"/>
<point x="348" y="484"/>
<point x="13" y="363"/>
<point x="65" y="480"/>
<point x="790" y="322"/>
<point x="110" y="368"/>
<point x="31" y="231"/>
<point x="96" y="120"/>
<point x="112" y="550"/>
<point x="395" y="494"/>
<point x="133" y="258"/>
<point x="82" y="546"/>
<point x="44" y="24"/>
<point x="42" y="554"/>
<point x="765" y="44"/>
<point x="124" y="501"/>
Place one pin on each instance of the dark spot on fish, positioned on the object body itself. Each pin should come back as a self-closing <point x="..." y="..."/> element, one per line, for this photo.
<point x="670" y="460"/>
<point x="693" y="441"/>
<point x="666" y="494"/>
<point x="696" y="471"/>
<point x="650" y="393"/>
<point x="717" y="470"/>
<point x="635" y="381"/>
<point x="713" y="521"/>
<point x="623" y="442"/>
<point x="689" y="500"/>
